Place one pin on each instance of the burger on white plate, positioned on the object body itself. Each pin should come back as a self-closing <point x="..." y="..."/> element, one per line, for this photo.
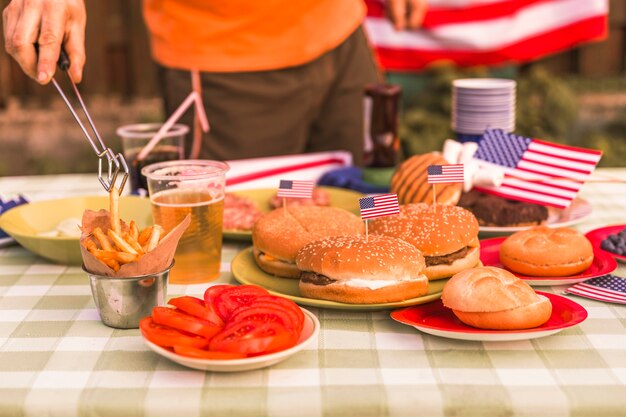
<point x="278" y="235"/>
<point x="446" y="235"/>
<point x="361" y="270"/>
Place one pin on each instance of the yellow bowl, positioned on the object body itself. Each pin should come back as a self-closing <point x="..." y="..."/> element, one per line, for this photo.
<point x="27" y="222"/>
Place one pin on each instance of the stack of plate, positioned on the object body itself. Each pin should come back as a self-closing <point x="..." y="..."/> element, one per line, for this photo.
<point x="482" y="103"/>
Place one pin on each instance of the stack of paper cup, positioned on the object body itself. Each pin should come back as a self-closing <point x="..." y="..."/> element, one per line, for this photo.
<point x="482" y="103"/>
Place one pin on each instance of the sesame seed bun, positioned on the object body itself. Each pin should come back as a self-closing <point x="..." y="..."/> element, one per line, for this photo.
<point x="493" y="298"/>
<point x="545" y="252"/>
<point x="278" y="235"/>
<point x="410" y="181"/>
<point x="446" y="235"/>
<point x="360" y="270"/>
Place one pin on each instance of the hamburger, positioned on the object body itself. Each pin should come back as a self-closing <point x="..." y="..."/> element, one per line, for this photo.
<point x="446" y="235"/>
<point x="361" y="270"/>
<point x="278" y="235"/>
<point x="410" y="181"/>
<point x="493" y="298"/>
<point x="545" y="252"/>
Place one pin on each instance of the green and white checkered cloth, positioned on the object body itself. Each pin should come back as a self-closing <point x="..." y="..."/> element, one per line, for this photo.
<point x="57" y="358"/>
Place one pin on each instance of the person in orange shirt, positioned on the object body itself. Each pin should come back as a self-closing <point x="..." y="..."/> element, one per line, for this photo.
<point x="277" y="76"/>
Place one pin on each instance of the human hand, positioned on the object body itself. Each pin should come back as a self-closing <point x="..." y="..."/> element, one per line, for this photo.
<point x="406" y="14"/>
<point x="51" y="24"/>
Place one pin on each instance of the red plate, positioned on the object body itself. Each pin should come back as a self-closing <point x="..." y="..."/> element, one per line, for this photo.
<point x="596" y="237"/>
<point x="603" y="263"/>
<point x="433" y="318"/>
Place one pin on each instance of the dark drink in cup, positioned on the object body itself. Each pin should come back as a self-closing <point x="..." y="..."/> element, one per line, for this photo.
<point x="158" y="154"/>
<point x="136" y="137"/>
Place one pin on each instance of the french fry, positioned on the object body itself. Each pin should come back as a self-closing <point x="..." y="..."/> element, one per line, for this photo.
<point x="114" y="210"/>
<point x="154" y="238"/>
<point x="120" y="243"/>
<point x="121" y="257"/>
<point x="103" y="239"/>
<point x="134" y="231"/>
<point x="144" y="236"/>
<point x="133" y="242"/>
<point x="91" y="245"/>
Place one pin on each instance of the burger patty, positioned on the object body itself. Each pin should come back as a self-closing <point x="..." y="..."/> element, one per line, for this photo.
<point x="315" y="279"/>
<point x="446" y="259"/>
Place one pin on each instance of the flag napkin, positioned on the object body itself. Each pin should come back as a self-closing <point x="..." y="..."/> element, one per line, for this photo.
<point x="609" y="288"/>
<point x="4" y="206"/>
<point x="379" y="206"/>
<point x="535" y="171"/>
<point x="443" y="174"/>
<point x="295" y="189"/>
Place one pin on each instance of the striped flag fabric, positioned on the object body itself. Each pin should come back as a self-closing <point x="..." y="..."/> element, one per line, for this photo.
<point x="485" y="32"/>
<point x="609" y="288"/>
<point x="446" y="174"/>
<point x="379" y="205"/>
<point x="295" y="189"/>
<point x="535" y="171"/>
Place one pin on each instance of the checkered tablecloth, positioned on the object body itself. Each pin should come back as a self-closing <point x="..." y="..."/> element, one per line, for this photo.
<point x="57" y="358"/>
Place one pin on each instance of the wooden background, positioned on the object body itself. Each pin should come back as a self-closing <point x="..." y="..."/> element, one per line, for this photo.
<point x="118" y="57"/>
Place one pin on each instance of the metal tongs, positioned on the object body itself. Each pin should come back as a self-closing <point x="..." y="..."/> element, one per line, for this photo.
<point x="115" y="162"/>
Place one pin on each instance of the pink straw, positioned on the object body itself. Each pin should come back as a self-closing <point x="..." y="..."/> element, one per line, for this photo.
<point x="192" y="98"/>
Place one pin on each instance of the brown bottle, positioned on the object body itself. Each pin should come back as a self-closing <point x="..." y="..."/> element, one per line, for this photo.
<point x="382" y="143"/>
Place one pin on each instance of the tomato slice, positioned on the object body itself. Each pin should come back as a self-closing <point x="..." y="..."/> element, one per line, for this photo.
<point x="252" y="338"/>
<point x="231" y="298"/>
<point x="180" y="321"/>
<point x="291" y="307"/>
<point x="213" y="292"/>
<point x="206" y="354"/>
<point x="267" y="313"/>
<point x="196" y="307"/>
<point x="168" y="337"/>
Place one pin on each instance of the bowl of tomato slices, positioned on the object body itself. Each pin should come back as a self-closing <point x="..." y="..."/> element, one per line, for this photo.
<point x="231" y="328"/>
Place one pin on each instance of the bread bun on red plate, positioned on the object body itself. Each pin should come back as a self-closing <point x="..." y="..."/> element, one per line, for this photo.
<point x="410" y="181"/>
<point x="278" y="235"/>
<point x="446" y="235"/>
<point x="493" y="298"/>
<point x="359" y="270"/>
<point x="545" y="252"/>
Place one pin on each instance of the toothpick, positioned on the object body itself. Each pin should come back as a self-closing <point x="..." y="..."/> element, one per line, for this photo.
<point x="284" y="206"/>
<point x="434" y="197"/>
<point x="366" y="231"/>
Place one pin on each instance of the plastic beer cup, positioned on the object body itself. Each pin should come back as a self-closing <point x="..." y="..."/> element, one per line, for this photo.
<point x="195" y="187"/>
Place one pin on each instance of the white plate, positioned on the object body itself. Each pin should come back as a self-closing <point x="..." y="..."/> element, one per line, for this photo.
<point x="309" y="333"/>
<point x="578" y="211"/>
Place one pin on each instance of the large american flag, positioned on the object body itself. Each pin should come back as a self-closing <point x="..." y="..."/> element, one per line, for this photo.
<point x="535" y="171"/>
<point x="295" y="189"/>
<point x="485" y="32"/>
<point x="379" y="205"/>
<point x="444" y="174"/>
<point x="610" y="288"/>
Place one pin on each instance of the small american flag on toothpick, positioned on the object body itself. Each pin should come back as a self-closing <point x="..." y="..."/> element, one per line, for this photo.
<point x="295" y="189"/>
<point x="444" y="174"/>
<point x="379" y="205"/>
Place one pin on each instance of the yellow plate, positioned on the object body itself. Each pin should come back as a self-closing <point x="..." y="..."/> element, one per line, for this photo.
<point x="246" y="271"/>
<point x="25" y="223"/>
<point x="339" y="197"/>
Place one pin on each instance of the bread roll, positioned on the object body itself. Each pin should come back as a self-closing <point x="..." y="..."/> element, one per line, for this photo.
<point x="410" y="181"/>
<point x="493" y="298"/>
<point x="545" y="252"/>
